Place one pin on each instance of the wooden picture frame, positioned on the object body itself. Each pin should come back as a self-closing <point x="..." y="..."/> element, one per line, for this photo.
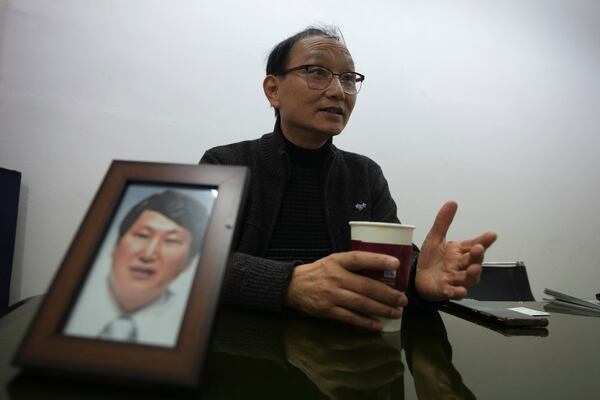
<point x="51" y="347"/>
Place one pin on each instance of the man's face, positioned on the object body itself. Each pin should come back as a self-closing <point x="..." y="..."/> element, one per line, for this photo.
<point x="309" y="115"/>
<point x="151" y="254"/>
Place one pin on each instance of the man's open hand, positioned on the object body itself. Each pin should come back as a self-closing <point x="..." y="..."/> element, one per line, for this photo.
<point x="446" y="269"/>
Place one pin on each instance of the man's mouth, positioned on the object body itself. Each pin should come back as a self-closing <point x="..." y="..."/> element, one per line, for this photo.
<point x="141" y="273"/>
<point x="333" y="110"/>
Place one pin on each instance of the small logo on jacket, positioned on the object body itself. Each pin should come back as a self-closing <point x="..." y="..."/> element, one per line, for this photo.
<point x="360" y="206"/>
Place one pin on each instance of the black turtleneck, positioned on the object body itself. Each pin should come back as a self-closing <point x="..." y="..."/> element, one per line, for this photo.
<point x="301" y="230"/>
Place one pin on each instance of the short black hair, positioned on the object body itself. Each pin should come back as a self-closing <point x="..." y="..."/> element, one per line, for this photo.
<point x="280" y="55"/>
<point x="183" y="209"/>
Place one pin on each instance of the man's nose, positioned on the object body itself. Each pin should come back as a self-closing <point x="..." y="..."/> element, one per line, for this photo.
<point x="151" y="248"/>
<point x="335" y="88"/>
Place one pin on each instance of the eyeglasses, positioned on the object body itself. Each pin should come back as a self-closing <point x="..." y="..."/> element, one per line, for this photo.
<point x="319" y="78"/>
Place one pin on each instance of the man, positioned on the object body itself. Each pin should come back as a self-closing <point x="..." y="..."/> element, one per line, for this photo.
<point x="295" y="236"/>
<point x="158" y="240"/>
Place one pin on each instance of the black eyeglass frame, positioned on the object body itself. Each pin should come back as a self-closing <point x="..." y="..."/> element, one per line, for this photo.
<point x="305" y="67"/>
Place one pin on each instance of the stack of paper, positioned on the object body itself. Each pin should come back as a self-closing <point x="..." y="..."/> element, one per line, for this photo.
<point x="563" y="303"/>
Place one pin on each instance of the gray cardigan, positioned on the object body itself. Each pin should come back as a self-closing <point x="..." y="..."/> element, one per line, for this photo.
<point x="355" y="190"/>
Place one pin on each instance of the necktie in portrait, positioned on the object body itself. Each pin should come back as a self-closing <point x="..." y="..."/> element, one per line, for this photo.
<point x="121" y="329"/>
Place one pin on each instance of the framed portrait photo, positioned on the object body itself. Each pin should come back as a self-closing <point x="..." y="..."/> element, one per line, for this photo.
<point x="136" y="294"/>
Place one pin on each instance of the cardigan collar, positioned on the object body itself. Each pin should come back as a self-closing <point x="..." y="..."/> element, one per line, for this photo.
<point x="311" y="158"/>
<point x="277" y="143"/>
<point x="274" y="168"/>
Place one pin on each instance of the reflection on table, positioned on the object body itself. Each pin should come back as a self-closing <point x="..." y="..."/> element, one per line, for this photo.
<point x="303" y="358"/>
<point x="429" y="357"/>
<point x="267" y="356"/>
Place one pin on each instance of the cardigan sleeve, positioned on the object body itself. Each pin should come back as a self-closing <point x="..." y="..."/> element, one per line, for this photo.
<point x="384" y="206"/>
<point x="252" y="282"/>
<point x="257" y="283"/>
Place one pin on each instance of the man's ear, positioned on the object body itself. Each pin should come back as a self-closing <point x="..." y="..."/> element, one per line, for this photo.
<point x="271" y="89"/>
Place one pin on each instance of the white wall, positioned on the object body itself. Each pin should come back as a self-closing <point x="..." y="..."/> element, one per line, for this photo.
<point x="495" y="104"/>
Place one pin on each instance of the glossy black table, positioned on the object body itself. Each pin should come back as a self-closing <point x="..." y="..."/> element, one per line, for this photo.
<point x="436" y="356"/>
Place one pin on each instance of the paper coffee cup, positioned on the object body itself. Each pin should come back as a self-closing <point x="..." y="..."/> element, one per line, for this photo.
<point x="386" y="238"/>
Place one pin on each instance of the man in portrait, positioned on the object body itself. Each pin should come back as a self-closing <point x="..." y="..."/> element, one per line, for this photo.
<point x="158" y="239"/>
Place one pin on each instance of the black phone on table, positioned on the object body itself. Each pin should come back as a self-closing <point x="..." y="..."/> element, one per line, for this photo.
<point x="498" y="315"/>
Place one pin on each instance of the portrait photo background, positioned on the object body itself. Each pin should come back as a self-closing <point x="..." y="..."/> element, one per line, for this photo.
<point x="493" y="104"/>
